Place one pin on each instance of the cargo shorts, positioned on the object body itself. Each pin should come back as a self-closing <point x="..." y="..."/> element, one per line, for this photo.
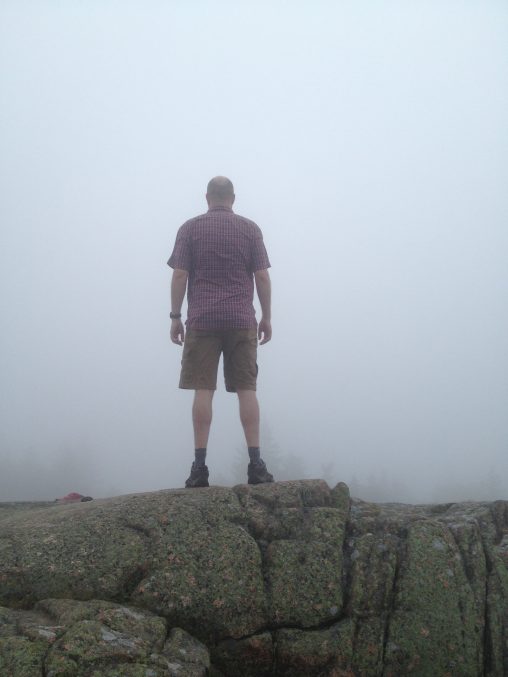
<point x="202" y="349"/>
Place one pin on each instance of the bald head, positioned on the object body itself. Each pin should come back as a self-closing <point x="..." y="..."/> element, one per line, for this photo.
<point x="220" y="192"/>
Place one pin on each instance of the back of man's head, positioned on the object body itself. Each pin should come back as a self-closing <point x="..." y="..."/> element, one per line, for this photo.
<point x="220" y="191"/>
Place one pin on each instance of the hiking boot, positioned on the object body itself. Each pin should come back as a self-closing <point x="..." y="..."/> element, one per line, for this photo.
<point x="198" y="476"/>
<point x="257" y="473"/>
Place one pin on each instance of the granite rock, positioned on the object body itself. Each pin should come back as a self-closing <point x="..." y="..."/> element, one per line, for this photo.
<point x="291" y="578"/>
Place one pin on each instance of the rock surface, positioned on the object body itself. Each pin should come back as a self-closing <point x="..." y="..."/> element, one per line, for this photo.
<point x="291" y="579"/>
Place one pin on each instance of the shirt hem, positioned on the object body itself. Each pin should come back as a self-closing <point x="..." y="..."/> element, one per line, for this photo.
<point x="214" y="327"/>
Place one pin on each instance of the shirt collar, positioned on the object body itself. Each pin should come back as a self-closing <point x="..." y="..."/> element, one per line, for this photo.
<point x="224" y="209"/>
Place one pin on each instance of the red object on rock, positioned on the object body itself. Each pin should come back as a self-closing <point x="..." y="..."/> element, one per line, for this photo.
<point x="72" y="498"/>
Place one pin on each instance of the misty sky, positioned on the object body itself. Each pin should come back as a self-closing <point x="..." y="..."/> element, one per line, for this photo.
<point x="368" y="139"/>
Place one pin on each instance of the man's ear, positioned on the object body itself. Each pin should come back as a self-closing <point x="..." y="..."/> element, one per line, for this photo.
<point x="234" y="197"/>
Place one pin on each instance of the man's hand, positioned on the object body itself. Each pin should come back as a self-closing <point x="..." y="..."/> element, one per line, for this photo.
<point x="264" y="331"/>
<point x="177" y="332"/>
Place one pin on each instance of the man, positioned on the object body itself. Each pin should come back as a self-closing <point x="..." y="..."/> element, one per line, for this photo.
<point x="217" y="257"/>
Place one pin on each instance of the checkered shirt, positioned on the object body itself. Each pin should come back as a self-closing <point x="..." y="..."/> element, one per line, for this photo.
<point x="221" y="252"/>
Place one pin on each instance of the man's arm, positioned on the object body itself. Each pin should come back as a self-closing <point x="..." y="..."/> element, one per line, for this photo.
<point x="264" y="291"/>
<point x="178" y="287"/>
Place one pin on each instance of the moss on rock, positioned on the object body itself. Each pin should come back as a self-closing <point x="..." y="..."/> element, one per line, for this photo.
<point x="19" y="657"/>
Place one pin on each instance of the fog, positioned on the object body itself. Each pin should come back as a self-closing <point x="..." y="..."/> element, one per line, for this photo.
<point x="369" y="142"/>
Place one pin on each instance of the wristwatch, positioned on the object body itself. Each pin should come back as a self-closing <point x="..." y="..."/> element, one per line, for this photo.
<point x="175" y="316"/>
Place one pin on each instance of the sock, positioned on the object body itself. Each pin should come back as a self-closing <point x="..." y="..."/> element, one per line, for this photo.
<point x="200" y="455"/>
<point x="254" y="454"/>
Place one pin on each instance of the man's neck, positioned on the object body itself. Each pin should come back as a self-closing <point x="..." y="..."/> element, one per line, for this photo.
<point x="220" y="205"/>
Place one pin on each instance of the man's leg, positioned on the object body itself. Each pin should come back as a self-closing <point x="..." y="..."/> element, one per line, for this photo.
<point x="202" y="417"/>
<point x="201" y="420"/>
<point x="249" y="416"/>
<point x="240" y="372"/>
<point x="201" y="353"/>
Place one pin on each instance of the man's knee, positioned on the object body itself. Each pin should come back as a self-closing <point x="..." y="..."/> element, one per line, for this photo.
<point x="202" y="406"/>
<point x="249" y="408"/>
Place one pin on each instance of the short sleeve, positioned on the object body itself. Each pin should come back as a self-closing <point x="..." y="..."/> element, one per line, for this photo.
<point x="259" y="256"/>
<point x="182" y="256"/>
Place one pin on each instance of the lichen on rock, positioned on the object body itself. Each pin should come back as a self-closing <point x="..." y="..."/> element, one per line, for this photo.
<point x="291" y="578"/>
